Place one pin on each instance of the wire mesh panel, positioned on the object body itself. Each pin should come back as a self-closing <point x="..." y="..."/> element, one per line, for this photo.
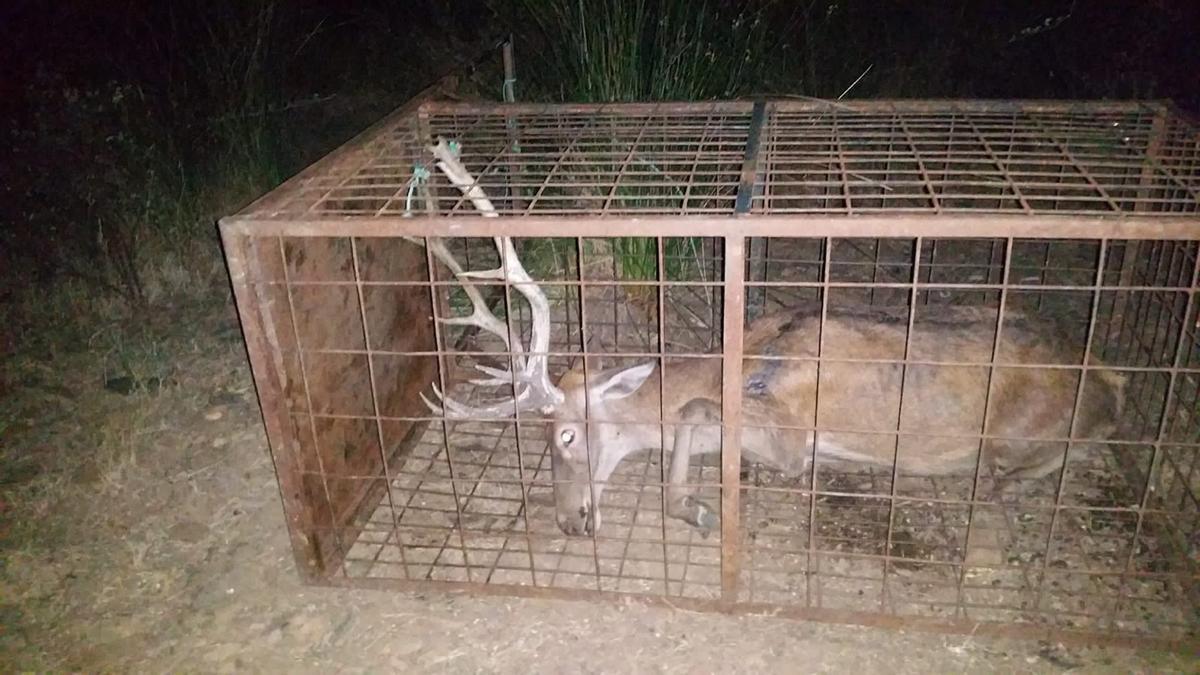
<point x="907" y="363"/>
<point x="989" y="447"/>
<point x="809" y="158"/>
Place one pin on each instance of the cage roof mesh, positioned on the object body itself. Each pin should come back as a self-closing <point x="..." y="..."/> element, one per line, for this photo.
<point x="779" y="157"/>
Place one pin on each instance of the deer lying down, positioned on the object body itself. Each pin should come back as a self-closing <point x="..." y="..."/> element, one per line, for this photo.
<point x="855" y="415"/>
<point x="854" y="420"/>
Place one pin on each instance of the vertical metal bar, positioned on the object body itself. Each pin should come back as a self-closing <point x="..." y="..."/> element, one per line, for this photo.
<point x="1160" y="437"/>
<point x="912" y="315"/>
<point x="1144" y="305"/>
<point x="1164" y="301"/>
<point x="997" y="262"/>
<point x="510" y="71"/>
<point x="731" y="414"/>
<point x="443" y="378"/>
<point x="766" y="270"/>
<point x="383" y="453"/>
<point x="812" y="488"/>
<point x="587" y="410"/>
<point x="513" y="337"/>
<point x="766" y="189"/>
<point x="335" y="532"/>
<point x="714" y="272"/>
<point x="757" y="271"/>
<point x="1042" y="272"/>
<point x="570" y="291"/>
<point x="876" y="252"/>
<point x="987" y="410"/>
<point x="263" y="349"/>
<point x="1066" y="461"/>
<point x="1131" y="254"/>
<point x="618" y="292"/>
<point x="1124" y="280"/>
<point x="933" y="251"/>
<point x="515" y="170"/>
<point x="662" y="417"/>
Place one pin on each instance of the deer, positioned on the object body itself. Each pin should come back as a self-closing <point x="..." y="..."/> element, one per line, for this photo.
<point x="836" y="385"/>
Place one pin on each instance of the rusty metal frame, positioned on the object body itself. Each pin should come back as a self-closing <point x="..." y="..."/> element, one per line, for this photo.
<point x="884" y="157"/>
<point x="1171" y="223"/>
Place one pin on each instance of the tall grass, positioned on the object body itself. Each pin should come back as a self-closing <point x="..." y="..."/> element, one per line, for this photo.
<point x="650" y="50"/>
<point x="123" y="177"/>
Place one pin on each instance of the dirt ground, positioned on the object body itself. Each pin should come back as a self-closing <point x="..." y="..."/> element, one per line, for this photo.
<point x="141" y="530"/>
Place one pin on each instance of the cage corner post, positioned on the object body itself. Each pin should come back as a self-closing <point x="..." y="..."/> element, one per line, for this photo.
<point x="269" y="375"/>
<point x="1134" y="251"/>
<point x="513" y="165"/>
<point x="731" y="416"/>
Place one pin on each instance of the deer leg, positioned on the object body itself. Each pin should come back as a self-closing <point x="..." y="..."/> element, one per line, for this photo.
<point x="681" y="503"/>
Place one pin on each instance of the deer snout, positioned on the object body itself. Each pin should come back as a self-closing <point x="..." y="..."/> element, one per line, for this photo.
<point x="582" y="521"/>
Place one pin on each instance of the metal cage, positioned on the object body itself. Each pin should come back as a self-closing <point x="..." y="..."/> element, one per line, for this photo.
<point x="661" y="233"/>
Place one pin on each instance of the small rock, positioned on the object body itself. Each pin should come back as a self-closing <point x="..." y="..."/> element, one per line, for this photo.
<point x="213" y="414"/>
<point x="219" y="442"/>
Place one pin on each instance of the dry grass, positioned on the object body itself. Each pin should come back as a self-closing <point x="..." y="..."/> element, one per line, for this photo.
<point x="151" y="539"/>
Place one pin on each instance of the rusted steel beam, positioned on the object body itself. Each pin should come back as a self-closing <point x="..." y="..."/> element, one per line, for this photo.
<point x="1173" y="226"/>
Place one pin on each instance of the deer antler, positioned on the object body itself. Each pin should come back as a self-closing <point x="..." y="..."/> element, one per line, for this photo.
<point x="532" y="386"/>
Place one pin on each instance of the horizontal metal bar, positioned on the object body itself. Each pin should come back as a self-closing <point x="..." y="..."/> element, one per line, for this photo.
<point x="1020" y="226"/>
<point x="526" y="419"/>
<point x="920" y="285"/>
<point x="805" y="105"/>
<point x="880" y="498"/>
<point x="1027" y="631"/>
<point x="714" y="356"/>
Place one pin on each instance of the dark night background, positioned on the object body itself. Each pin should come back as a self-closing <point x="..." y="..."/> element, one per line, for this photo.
<point x="132" y="125"/>
<point x="140" y="529"/>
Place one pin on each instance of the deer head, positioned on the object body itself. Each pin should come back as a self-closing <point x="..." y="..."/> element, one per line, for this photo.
<point x="583" y="453"/>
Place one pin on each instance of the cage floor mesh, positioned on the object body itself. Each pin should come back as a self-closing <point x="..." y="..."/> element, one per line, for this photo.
<point x="471" y="504"/>
<point x="507" y="533"/>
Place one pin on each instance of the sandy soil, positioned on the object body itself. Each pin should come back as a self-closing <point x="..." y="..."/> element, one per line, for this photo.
<point x="143" y="532"/>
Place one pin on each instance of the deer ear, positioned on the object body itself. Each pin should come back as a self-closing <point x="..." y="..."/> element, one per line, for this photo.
<point x="621" y="382"/>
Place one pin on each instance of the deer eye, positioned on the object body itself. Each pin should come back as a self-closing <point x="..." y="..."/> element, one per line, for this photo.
<point x="567" y="436"/>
